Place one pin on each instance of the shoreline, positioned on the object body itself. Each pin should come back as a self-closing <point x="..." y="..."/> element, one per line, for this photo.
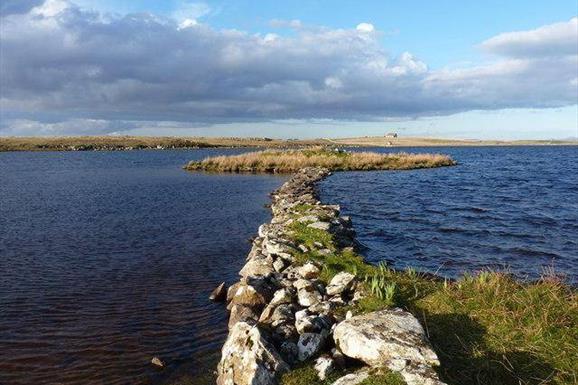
<point x="132" y="143"/>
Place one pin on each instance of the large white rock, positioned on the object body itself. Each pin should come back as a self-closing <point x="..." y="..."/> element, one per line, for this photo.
<point x="383" y="338"/>
<point x="248" y="358"/>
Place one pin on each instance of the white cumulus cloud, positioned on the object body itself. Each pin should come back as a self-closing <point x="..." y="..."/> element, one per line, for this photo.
<point x="365" y="27"/>
<point x="68" y="64"/>
<point x="550" y="40"/>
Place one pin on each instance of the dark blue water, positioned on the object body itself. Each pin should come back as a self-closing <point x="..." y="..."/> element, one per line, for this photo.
<point x="513" y="208"/>
<point x="107" y="259"/>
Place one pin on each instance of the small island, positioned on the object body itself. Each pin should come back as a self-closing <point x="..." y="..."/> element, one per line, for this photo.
<point x="286" y="161"/>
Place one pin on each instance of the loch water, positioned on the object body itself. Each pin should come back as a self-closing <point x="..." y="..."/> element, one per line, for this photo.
<point x="511" y="209"/>
<point x="107" y="258"/>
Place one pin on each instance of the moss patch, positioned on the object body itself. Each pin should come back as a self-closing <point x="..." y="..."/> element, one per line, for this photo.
<point x="389" y="378"/>
<point x="307" y="375"/>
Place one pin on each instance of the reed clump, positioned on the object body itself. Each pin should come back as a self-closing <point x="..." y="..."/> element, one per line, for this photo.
<point x="287" y="161"/>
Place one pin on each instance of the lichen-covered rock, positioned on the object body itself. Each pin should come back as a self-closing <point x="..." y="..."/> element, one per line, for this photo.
<point x="309" y="296"/>
<point x="279" y="265"/>
<point x="419" y="374"/>
<point x="309" y="271"/>
<point x="310" y="344"/>
<point x="324" y="365"/>
<point x="385" y="338"/>
<point x="240" y="313"/>
<point x="258" y="266"/>
<point x="249" y="295"/>
<point x="306" y="323"/>
<point x="289" y="350"/>
<point x="340" y="283"/>
<point x="278" y="248"/>
<point x="281" y="296"/>
<point x="248" y="359"/>
<point x="308" y="218"/>
<point x="325" y="226"/>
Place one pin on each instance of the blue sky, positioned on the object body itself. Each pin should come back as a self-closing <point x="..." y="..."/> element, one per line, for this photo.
<point x="441" y="32"/>
<point x="442" y="68"/>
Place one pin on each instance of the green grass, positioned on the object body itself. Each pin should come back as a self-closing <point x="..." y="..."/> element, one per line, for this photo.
<point x="307" y="375"/>
<point x="384" y="379"/>
<point x="308" y="236"/>
<point x="488" y="328"/>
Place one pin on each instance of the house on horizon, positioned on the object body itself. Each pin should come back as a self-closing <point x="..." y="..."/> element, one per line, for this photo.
<point x="391" y="135"/>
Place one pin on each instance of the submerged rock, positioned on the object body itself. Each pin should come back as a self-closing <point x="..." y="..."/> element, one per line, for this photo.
<point x="248" y="358"/>
<point x="157" y="362"/>
<point x="219" y="294"/>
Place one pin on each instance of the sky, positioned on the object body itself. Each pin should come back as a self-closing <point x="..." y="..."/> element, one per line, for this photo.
<point x="298" y="69"/>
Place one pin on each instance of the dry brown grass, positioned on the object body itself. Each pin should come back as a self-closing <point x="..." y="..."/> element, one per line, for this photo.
<point x="276" y="161"/>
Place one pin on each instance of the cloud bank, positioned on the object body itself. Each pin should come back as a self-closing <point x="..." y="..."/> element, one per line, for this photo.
<point x="60" y="63"/>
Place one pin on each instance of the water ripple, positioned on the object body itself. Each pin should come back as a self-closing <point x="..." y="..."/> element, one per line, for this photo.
<point x="513" y="208"/>
<point x="107" y="259"/>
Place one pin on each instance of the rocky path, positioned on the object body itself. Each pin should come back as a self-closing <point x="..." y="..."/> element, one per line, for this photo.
<point x="285" y="312"/>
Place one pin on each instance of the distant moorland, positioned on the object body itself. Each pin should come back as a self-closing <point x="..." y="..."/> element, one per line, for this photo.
<point x="120" y="143"/>
<point x="116" y="143"/>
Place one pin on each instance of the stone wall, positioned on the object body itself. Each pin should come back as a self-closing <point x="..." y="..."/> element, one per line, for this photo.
<point x="282" y="313"/>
